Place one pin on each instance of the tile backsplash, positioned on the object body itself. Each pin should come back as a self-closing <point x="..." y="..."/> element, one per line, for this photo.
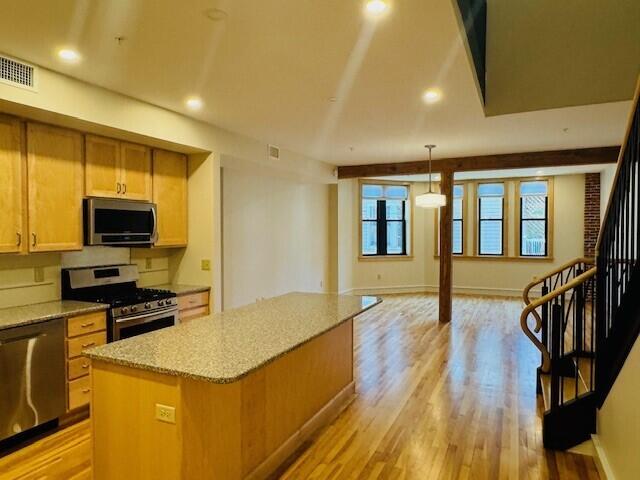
<point x="35" y="278"/>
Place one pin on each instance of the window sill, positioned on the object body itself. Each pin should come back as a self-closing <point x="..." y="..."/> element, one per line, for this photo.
<point x="374" y="258"/>
<point x="500" y="258"/>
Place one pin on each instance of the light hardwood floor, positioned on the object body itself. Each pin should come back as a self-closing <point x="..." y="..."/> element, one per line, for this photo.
<point x="435" y="401"/>
<point x="440" y="401"/>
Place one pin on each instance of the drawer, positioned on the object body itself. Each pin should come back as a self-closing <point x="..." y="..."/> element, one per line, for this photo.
<point x="76" y="345"/>
<point x="191" y="313"/>
<point x="78" y="367"/>
<point x="79" y="392"/>
<point x="89" y="323"/>
<point x="193" y="300"/>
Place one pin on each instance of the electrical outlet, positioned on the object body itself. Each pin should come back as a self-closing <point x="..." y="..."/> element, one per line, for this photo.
<point x="206" y="265"/>
<point x="166" y="414"/>
<point x="321" y="283"/>
<point x="379" y="276"/>
<point x="38" y="274"/>
<point x="148" y="263"/>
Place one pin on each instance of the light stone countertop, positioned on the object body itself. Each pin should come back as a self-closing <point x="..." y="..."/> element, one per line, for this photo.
<point x="224" y="347"/>
<point x="180" y="289"/>
<point x="41" y="312"/>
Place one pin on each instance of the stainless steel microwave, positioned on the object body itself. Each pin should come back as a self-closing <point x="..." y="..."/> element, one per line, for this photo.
<point x="109" y="221"/>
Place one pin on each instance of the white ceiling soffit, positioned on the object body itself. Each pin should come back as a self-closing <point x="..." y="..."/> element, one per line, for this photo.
<point x="511" y="173"/>
<point x="313" y="77"/>
<point x="550" y="54"/>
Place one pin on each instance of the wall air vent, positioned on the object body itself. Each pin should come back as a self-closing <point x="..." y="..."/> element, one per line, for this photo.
<point x="17" y="74"/>
<point x="274" y="152"/>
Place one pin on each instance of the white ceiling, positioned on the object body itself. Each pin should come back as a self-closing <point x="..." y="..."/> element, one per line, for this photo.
<point x="269" y="70"/>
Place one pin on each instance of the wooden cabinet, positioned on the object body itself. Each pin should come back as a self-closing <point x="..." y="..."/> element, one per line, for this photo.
<point x="82" y="332"/>
<point x="170" y="195"/>
<point x="55" y="188"/>
<point x="117" y="169"/>
<point x="193" y="305"/>
<point x="12" y="186"/>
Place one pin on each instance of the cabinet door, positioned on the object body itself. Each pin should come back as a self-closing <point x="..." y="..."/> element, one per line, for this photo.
<point x="12" y="186"/>
<point x="135" y="171"/>
<point x="102" y="177"/>
<point x="170" y="194"/>
<point x="55" y="181"/>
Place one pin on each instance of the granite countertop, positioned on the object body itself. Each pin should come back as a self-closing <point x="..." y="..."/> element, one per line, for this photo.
<point x="180" y="289"/>
<point x="224" y="347"/>
<point x="41" y="312"/>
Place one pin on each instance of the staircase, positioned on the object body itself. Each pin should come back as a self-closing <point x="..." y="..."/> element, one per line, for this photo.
<point x="587" y="317"/>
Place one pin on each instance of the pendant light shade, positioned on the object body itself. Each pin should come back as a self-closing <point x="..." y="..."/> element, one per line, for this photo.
<point x="431" y="199"/>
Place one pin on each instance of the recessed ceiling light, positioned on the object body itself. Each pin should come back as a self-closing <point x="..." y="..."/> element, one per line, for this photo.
<point x="194" y="103"/>
<point x="376" y="8"/>
<point x="69" y="55"/>
<point x="431" y="95"/>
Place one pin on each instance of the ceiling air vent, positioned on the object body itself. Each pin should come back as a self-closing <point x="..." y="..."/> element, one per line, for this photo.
<point x="17" y="74"/>
<point x="274" y="152"/>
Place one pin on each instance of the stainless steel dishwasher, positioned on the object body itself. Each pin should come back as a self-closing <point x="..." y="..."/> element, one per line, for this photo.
<point x="32" y="376"/>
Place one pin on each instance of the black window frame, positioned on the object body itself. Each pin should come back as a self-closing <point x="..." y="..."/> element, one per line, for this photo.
<point x="522" y="221"/>
<point x="491" y="220"/>
<point x="461" y="220"/>
<point x="382" y="222"/>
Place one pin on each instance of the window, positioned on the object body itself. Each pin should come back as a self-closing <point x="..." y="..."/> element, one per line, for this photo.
<point x="384" y="212"/>
<point x="458" y="225"/>
<point x="534" y="211"/>
<point x="491" y="219"/>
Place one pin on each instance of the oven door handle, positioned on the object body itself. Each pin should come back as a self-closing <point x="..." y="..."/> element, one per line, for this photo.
<point x="146" y="317"/>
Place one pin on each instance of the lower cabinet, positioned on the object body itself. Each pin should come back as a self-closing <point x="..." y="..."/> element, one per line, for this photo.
<point x="193" y="305"/>
<point x="83" y="331"/>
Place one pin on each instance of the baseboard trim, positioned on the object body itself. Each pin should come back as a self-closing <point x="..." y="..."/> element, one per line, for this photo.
<point x="324" y="417"/>
<point x="485" y="291"/>
<point x="601" y="460"/>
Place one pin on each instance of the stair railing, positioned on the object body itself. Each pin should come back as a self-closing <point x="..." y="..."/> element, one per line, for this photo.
<point x="618" y="254"/>
<point x="568" y="317"/>
<point x="549" y="282"/>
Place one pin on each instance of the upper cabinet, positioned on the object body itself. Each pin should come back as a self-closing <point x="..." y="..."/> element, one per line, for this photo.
<point x="12" y="185"/>
<point x="55" y="188"/>
<point x="170" y="195"/>
<point x="117" y="169"/>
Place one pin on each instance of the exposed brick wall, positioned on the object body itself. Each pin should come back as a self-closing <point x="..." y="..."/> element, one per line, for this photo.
<point x="591" y="213"/>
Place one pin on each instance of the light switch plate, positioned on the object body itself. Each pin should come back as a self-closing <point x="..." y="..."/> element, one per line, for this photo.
<point x="148" y="263"/>
<point x="206" y="265"/>
<point x="38" y="274"/>
<point x="165" y="413"/>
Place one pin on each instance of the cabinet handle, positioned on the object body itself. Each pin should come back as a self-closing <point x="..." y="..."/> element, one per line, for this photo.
<point x="118" y="188"/>
<point x="85" y="366"/>
<point x="18" y="238"/>
<point x="124" y="188"/>
<point x="86" y="390"/>
<point x="88" y="324"/>
<point x="33" y="238"/>
<point x="90" y="344"/>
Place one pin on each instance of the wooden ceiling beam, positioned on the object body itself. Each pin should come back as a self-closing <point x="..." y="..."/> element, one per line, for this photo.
<point x="553" y="158"/>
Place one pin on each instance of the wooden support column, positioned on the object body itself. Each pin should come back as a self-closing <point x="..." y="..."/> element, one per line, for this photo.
<point x="446" y="240"/>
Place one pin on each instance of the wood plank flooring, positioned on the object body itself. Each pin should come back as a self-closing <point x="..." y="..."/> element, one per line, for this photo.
<point x="435" y="401"/>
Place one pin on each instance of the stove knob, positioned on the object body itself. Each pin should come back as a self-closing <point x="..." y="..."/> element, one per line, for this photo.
<point x="168" y="301"/>
<point x="124" y="310"/>
<point x="134" y="308"/>
<point x="160" y="303"/>
<point x="147" y="305"/>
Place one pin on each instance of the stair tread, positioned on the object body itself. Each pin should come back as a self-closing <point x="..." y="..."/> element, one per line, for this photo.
<point x="568" y="393"/>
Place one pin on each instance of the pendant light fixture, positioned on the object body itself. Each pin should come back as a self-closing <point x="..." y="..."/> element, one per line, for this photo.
<point x="431" y="199"/>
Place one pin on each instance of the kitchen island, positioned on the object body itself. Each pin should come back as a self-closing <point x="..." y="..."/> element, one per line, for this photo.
<point x="227" y="396"/>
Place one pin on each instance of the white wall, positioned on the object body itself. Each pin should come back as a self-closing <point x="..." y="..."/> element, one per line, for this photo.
<point x="478" y="276"/>
<point x="606" y="184"/>
<point x="275" y="236"/>
<point x="64" y="101"/>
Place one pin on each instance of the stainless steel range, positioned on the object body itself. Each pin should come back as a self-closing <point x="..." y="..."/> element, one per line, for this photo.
<point x="133" y="310"/>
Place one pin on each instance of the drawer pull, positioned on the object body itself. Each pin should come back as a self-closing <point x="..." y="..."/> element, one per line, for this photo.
<point x="90" y="344"/>
<point x="85" y="366"/>
<point x="86" y="390"/>
<point x="87" y="325"/>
